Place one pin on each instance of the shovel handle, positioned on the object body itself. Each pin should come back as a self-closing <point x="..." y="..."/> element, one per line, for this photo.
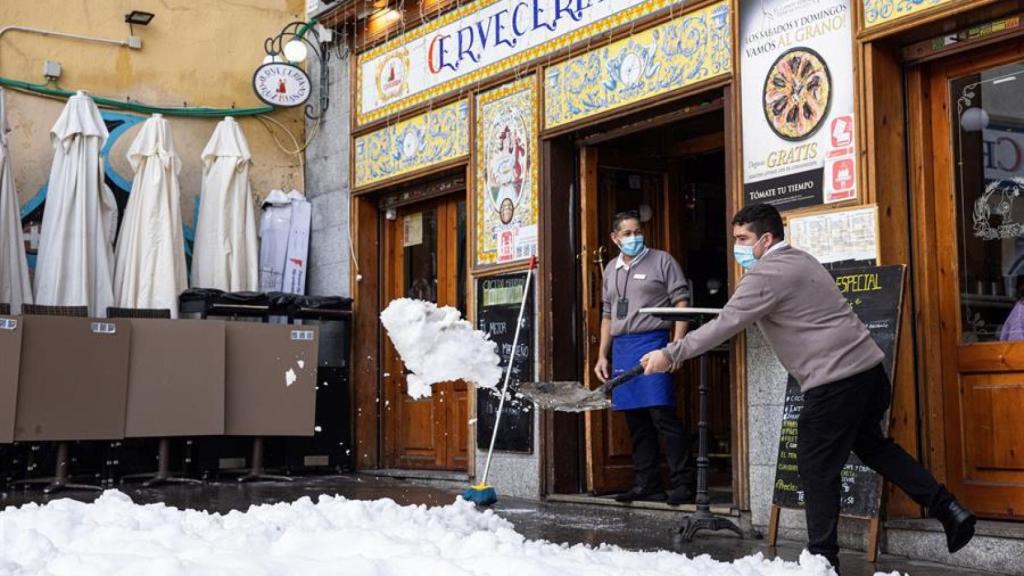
<point x="621" y="378"/>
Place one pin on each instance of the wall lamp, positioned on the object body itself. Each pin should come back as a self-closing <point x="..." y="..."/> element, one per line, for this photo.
<point x="138" y="17"/>
<point x="292" y="45"/>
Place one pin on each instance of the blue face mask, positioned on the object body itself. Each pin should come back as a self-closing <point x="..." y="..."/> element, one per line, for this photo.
<point x="633" y="245"/>
<point x="744" y="255"/>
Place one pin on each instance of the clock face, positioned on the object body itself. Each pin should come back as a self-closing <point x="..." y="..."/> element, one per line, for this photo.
<point x="281" y="85"/>
<point x="631" y="68"/>
<point x="797" y="94"/>
<point x="410" y="143"/>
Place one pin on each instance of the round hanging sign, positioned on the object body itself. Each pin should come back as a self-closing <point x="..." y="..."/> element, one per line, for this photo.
<point x="281" y="84"/>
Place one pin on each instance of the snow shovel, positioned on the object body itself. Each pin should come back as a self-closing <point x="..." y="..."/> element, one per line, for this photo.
<point x="570" y="396"/>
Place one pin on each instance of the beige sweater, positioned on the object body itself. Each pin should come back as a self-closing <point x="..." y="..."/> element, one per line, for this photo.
<point x="802" y="314"/>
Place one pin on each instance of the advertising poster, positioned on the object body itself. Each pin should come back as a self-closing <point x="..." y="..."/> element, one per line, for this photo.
<point x="796" y="66"/>
<point x="506" y="174"/>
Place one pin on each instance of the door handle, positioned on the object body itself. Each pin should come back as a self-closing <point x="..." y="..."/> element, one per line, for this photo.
<point x="599" y="259"/>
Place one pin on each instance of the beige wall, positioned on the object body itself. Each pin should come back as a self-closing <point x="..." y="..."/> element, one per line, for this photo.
<point x="195" y="53"/>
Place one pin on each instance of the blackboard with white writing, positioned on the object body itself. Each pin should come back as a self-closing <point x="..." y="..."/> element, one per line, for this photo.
<point x="497" y="311"/>
<point x="876" y="295"/>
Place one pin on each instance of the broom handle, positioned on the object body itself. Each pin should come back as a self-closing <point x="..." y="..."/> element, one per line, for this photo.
<point x="508" y="369"/>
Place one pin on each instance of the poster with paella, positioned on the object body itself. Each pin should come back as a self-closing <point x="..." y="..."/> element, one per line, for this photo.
<point x="796" y="70"/>
<point x="506" y="173"/>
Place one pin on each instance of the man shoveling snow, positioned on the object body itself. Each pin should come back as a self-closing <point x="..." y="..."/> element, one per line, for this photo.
<point x="437" y="345"/>
<point x="329" y="537"/>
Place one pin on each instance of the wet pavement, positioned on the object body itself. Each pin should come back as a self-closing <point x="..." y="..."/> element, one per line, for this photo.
<point x="559" y="522"/>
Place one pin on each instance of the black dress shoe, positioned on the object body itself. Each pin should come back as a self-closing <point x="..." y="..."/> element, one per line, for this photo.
<point x="681" y="495"/>
<point x="640" y="493"/>
<point x="956" y="519"/>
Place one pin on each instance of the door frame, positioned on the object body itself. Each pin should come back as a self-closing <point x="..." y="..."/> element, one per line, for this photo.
<point x="933" y="219"/>
<point x="728" y="103"/>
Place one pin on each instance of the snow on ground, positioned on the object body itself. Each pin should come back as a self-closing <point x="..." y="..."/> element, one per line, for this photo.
<point x="332" y="536"/>
<point x="437" y="345"/>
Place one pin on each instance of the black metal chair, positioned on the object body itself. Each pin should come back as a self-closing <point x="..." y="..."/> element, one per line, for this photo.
<point x="61" y="476"/>
<point x="5" y="309"/>
<point x="44" y="310"/>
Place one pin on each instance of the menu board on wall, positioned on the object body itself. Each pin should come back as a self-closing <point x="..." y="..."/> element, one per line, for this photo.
<point x="837" y="236"/>
<point x="497" y="310"/>
<point x="796" y="69"/>
<point x="876" y="295"/>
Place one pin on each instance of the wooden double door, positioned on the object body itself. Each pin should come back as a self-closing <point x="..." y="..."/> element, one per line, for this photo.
<point x="425" y="258"/>
<point x="968" y="126"/>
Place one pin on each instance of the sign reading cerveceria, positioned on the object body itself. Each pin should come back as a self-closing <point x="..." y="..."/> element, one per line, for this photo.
<point x="476" y="41"/>
<point x="798" y="129"/>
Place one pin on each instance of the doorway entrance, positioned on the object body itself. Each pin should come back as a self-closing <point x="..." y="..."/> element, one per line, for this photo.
<point x="969" y="209"/>
<point x="424" y="257"/>
<point x="674" y="176"/>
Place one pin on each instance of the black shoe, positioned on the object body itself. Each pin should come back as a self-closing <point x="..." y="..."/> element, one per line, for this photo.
<point x="639" y="493"/>
<point x="956" y="519"/>
<point x="681" y="495"/>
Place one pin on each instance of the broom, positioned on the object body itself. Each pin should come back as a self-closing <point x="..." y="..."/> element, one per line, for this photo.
<point x="483" y="494"/>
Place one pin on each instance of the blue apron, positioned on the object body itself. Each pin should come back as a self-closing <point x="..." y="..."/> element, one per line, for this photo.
<point x="640" y="391"/>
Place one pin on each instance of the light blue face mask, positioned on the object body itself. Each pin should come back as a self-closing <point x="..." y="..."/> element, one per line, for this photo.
<point x="744" y="255"/>
<point x="632" y="245"/>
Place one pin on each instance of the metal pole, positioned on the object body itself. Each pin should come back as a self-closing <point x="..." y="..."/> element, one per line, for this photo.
<point x="703" y="501"/>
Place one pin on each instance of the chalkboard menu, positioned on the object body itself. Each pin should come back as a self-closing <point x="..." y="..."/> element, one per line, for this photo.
<point x="876" y="295"/>
<point x="497" y="310"/>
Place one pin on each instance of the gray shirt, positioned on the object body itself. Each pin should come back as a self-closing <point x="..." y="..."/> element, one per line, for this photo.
<point x="653" y="278"/>
<point x="803" y="316"/>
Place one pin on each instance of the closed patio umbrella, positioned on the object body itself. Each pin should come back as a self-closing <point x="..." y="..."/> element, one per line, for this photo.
<point x="150" y="267"/>
<point x="14" y="283"/>
<point x="75" y="266"/>
<point x="225" y="254"/>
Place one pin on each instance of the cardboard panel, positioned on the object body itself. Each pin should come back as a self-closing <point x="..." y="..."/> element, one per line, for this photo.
<point x="176" y="378"/>
<point x="74" y="379"/>
<point x="271" y="379"/>
<point x="10" y="351"/>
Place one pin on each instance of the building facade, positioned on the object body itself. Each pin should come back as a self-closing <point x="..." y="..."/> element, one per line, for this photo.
<point x="191" y="55"/>
<point x="480" y="134"/>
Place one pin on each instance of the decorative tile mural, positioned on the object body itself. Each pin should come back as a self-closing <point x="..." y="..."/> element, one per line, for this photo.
<point x="431" y="138"/>
<point x="878" y="12"/>
<point x="681" y="52"/>
<point x="506" y="173"/>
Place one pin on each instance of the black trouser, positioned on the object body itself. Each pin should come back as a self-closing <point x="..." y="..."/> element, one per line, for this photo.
<point x="644" y="426"/>
<point x="837" y="418"/>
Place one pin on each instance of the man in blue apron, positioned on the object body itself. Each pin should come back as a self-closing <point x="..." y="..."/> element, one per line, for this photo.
<point x="641" y="277"/>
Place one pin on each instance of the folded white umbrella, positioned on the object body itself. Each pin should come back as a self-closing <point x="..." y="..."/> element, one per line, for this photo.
<point x="15" y="288"/>
<point x="150" y="270"/>
<point x="75" y="266"/>
<point x="225" y="255"/>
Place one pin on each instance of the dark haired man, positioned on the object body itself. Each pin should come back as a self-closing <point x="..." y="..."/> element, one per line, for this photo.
<point x="825" y="346"/>
<point x="638" y="278"/>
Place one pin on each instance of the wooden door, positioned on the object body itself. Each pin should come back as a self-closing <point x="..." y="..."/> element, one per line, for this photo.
<point x="605" y="192"/>
<point x="977" y="226"/>
<point x="425" y="258"/>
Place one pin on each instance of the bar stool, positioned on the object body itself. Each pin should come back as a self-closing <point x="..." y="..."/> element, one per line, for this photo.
<point x="60" y="479"/>
<point x="5" y="309"/>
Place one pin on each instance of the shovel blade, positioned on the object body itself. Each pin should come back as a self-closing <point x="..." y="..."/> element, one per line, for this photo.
<point x="566" y="396"/>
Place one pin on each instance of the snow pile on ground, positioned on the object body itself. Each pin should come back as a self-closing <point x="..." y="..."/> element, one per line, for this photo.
<point x="437" y="345"/>
<point x="333" y="536"/>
